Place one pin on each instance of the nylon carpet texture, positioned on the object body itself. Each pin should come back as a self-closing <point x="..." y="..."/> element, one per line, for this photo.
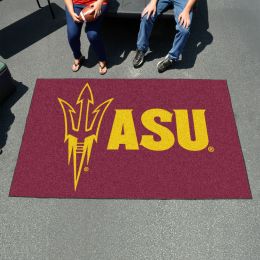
<point x="136" y="139"/>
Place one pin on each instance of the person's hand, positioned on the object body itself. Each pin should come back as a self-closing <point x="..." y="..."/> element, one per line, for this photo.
<point x="150" y="9"/>
<point x="184" y="19"/>
<point x="97" y="8"/>
<point x="75" y="17"/>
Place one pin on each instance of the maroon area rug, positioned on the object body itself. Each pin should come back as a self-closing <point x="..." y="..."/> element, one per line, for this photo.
<point x="136" y="139"/>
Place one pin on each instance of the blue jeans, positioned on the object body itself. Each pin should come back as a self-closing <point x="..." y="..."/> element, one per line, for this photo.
<point x="92" y="30"/>
<point x="182" y="33"/>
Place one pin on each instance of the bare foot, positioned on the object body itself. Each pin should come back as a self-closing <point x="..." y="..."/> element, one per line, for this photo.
<point x="77" y="64"/>
<point x="102" y="67"/>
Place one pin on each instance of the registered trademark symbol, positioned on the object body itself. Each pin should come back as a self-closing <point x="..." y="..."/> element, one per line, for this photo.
<point x="211" y="149"/>
<point x="86" y="169"/>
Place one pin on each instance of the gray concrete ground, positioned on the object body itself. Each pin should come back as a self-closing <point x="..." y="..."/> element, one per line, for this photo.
<point x="133" y="229"/>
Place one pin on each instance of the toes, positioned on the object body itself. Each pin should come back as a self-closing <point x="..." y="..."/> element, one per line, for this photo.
<point x="103" y="70"/>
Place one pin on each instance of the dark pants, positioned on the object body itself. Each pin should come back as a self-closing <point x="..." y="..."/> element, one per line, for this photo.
<point x="92" y="30"/>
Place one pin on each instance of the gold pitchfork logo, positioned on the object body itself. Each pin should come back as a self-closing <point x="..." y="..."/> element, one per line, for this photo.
<point x="82" y="119"/>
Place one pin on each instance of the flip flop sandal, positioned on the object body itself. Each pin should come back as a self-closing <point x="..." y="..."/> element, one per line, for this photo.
<point x="101" y="67"/>
<point x="79" y="64"/>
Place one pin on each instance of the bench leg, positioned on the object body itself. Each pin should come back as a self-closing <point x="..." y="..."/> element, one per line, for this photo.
<point x="38" y="3"/>
<point x="52" y="13"/>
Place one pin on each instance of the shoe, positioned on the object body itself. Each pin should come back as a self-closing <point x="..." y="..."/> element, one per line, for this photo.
<point x="164" y="64"/>
<point x="138" y="59"/>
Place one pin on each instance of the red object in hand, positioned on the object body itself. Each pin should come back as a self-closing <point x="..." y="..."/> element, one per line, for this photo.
<point x="87" y="14"/>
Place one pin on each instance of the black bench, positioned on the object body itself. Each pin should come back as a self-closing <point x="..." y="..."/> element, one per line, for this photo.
<point x="125" y="8"/>
<point x="129" y="8"/>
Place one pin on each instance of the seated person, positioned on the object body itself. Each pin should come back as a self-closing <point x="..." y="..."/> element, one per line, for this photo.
<point x="183" y="18"/>
<point x="92" y="29"/>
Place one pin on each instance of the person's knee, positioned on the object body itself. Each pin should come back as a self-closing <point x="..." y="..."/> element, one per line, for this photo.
<point x="184" y="31"/>
<point x="92" y="36"/>
<point x="145" y="20"/>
